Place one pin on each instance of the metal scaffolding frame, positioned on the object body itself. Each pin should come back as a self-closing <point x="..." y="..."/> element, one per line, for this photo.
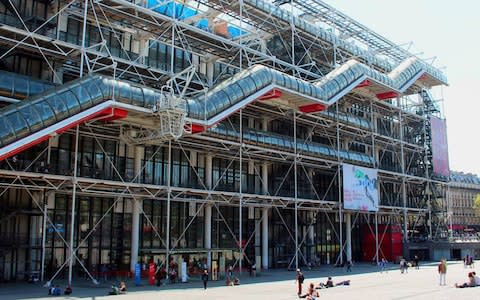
<point x="308" y="57"/>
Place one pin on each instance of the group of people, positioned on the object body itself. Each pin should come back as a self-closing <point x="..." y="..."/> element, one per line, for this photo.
<point x="312" y="291"/>
<point x="472" y="281"/>
<point x="472" y="278"/>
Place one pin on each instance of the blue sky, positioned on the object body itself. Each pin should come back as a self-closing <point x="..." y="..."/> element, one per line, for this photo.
<point x="449" y="30"/>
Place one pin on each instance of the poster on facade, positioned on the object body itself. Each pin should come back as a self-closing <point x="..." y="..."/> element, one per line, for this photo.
<point x="439" y="147"/>
<point x="360" y="188"/>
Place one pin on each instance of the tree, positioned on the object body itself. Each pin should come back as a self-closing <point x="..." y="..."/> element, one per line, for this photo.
<point x="476" y="205"/>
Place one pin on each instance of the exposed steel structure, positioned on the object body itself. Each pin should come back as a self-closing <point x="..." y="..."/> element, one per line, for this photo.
<point x="206" y="131"/>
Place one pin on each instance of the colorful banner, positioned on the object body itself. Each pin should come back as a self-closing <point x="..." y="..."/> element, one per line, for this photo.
<point x="360" y="190"/>
<point x="439" y="147"/>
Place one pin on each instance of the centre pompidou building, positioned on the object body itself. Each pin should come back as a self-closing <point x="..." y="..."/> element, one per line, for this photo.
<point x="198" y="134"/>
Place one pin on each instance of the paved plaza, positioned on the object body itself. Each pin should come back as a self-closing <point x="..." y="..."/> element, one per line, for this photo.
<point x="366" y="283"/>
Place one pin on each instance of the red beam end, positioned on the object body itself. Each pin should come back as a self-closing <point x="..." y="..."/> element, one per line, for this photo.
<point x="387" y="95"/>
<point x="364" y="83"/>
<point x="112" y="114"/>
<point x="273" y="94"/>
<point x="310" y="108"/>
<point x="197" y="128"/>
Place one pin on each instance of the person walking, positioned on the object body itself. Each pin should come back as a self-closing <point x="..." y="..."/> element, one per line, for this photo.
<point x="230" y="273"/>
<point x="383" y="265"/>
<point x="205" y="279"/>
<point x="299" y="280"/>
<point x="442" y="270"/>
<point x="403" y="263"/>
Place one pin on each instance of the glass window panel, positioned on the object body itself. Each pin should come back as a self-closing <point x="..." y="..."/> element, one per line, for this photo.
<point x="18" y="124"/>
<point x="279" y="78"/>
<point x="37" y="87"/>
<point x="32" y="117"/>
<point x="21" y="86"/>
<point x="235" y="93"/>
<point x="211" y="105"/>
<point x="223" y="101"/>
<point x="6" y="83"/>
<point x="261" y="77"/>
<point x="124" y="92"/>
<point x="247" y="85"/>
<point x="106" y="85"/>
<point x="6" y="132"/>
<point x="94" y="91"/>
<point x="153" y="55"/>
<point x="71" y="102"/>
<point x="59" y="106"/>
<point x="137" y="96"/>
<point x="82" y="95"/>
<point x="149" y="97"/>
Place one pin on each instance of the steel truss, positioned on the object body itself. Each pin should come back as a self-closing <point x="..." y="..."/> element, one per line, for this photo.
<point x="415" y="199"/>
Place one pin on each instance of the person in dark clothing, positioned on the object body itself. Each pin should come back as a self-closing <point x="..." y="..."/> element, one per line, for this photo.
<point x="299" y="280"/>
<point x="68" y="290"/>
<point x="205" y="279"/>
<point x="329" y="282"/>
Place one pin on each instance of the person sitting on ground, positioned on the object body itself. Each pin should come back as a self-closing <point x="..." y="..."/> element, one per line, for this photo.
<point x="56" y="291"/>
<point x="469" y="283"/>
<point x="115" y="290"/>
<point x="477" y="279"/>
<point x="327" y="284"/>
<point x="311" y="293"/>
<point x="236" y="281"/>
<point x="68" y="290"/>
<point x="123" y="287"/>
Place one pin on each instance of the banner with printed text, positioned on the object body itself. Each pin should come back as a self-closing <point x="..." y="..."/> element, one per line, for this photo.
<point x="360" y="188"/>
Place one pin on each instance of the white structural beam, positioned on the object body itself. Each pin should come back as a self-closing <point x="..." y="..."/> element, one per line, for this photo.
<point x="208" y="171"/>
<point x="265" y="178"/>
<point x="311" y="237"/>
<point x="208" y="232"/>
<point x="137" y="204"/>
<point x="348" y="236"/>
<point x="136" y="211"/>
<point x="265" y="238"/>
<point x="72" y="221"/>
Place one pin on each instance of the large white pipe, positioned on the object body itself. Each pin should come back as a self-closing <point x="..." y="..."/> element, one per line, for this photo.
<point x="208" y="232"/>
<point x="265" y="238"/>
<point x="348" y="236"/>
